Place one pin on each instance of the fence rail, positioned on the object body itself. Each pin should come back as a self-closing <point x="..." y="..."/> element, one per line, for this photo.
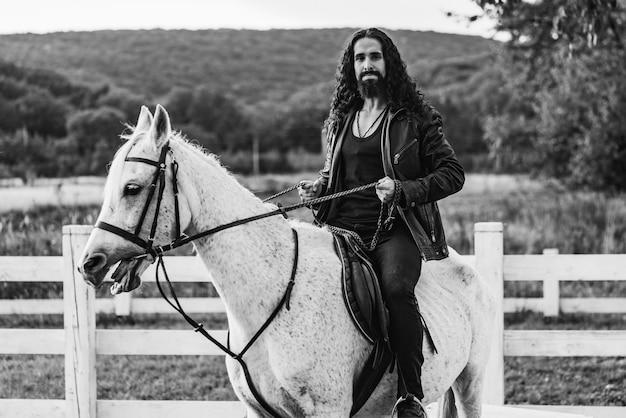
<point x="81" y="344"/>
<point x="548" y="268"/>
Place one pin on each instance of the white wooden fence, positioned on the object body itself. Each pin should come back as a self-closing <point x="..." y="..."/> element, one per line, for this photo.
<point x="80" y="342"/>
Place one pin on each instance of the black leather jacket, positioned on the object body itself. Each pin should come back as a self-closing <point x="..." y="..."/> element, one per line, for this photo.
<point x="416" y="152"/>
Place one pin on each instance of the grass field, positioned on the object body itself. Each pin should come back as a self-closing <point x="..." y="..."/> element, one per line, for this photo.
<point x="536" y="216"/>
<point x="536" y="380"/>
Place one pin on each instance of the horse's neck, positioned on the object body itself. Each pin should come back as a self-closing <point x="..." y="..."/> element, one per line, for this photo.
<point x="248" y="263"/>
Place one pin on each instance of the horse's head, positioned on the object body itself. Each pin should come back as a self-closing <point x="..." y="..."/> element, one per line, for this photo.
<point x="139" y="210"/>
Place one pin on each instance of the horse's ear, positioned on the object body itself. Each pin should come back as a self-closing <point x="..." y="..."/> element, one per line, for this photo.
<point x="144" y="121"/>
<point x="161" y="128"/>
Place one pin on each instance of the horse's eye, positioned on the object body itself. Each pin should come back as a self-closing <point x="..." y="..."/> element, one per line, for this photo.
<point x="131" y="190"/>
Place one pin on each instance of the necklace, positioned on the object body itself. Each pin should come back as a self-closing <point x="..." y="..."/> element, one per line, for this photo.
<point x="358" y="126"/>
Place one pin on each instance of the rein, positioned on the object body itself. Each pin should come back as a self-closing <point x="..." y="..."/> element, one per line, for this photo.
<point x="182" y="239"/>
<point x="281" y="210"/>
<point x="156" y="252"/>
<point x="198" y="327"/>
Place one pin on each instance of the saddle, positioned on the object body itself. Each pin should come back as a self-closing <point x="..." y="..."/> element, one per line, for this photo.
<point x="363" y="298"/>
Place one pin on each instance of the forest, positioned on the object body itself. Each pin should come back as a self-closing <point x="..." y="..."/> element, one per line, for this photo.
<point x="66" y="97"/>
<point x="550" y="101"/>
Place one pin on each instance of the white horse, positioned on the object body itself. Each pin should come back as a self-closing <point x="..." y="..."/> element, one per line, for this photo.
<point x="305" y="362"/>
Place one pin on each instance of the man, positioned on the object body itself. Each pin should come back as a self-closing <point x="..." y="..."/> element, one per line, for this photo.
<point x="381" y="129"/>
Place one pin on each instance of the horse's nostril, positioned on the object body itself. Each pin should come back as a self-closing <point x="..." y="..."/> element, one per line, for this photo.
<point x="94" y="263"/>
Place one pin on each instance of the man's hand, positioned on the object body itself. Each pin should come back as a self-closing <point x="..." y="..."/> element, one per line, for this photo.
<point x="385" y="189"/>
<point x="309" y="190"/>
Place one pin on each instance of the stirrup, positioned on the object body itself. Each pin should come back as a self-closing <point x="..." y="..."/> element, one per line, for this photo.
<point x="409" y="397"/>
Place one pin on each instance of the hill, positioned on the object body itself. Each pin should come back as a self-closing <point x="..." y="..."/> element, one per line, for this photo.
<point x="65" y="96"/>
<point x="249" y="65"/>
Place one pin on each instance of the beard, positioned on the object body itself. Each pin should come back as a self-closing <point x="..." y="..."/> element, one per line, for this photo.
<point x="372" y="87"/>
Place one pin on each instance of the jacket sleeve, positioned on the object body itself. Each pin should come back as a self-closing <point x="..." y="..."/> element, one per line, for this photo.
<point x="324" y="173"/>
<point x="445" y="173"/>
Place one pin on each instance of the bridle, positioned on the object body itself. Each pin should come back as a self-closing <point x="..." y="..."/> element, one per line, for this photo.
<point x="180" y="239"/>
<point x="157" y="179"/>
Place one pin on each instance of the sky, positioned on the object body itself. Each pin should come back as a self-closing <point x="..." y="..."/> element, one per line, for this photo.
<point x="44" y="16"/>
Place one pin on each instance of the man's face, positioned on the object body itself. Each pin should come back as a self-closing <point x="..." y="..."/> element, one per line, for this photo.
<point x="369" y="66"/>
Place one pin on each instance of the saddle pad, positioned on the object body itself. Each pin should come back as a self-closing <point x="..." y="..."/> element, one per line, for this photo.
<point x="364" y="302"/>
<point x="361" y="291"/>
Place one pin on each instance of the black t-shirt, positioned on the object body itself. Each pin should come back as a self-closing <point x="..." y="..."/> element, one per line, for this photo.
<point x="361" y="164"/>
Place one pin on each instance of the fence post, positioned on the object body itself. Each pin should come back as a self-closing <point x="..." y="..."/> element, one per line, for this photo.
<point x="550" y="290"/>
<point x="122" y="302"/>
<point x="80" y="328"/>
<point x="489" y="251"/>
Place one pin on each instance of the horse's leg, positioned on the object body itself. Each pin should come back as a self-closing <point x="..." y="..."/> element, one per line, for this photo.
<point x="447" y="405"/>
<point x="468" y="388"/>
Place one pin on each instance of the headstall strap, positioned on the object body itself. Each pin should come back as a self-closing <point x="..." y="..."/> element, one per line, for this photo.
<point x="142" y="160"/>
<point x="175" y="189"/>
<point x="153" y="185"/>
<point x="159" y="174"/>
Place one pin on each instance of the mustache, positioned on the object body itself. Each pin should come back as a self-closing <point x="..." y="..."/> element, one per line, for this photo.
<point x="370" y="72"/>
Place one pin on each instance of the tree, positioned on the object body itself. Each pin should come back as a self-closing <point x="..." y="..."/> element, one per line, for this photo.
<point x="10" y="119"/>
<point x="216" y="113"/>
<point x="178" y="102"/>
<point x="536" y="27"/>
<point x="564" y="73"/>
<point x="94" y="137"/>
<point x="42" y="114"/>
<point x="125" y="101"/>
<point x="11" y="89"/>
<point x="25" y="156"/>
<point x="301" y="129"/>
<point x="198" y="135"/>
<point x="57" y="84"/>
<point x="582" y="121"/>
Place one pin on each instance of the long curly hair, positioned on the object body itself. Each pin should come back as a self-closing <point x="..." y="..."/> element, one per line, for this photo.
<point x="401" y="91"/>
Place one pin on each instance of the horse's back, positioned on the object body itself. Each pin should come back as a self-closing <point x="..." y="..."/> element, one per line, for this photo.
<point x="453" y="284"/>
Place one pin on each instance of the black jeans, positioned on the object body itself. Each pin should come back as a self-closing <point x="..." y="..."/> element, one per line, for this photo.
<point x="398" y="265"/>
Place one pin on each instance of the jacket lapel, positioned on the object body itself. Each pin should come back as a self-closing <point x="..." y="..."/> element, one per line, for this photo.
<point x="338" y="142"/>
